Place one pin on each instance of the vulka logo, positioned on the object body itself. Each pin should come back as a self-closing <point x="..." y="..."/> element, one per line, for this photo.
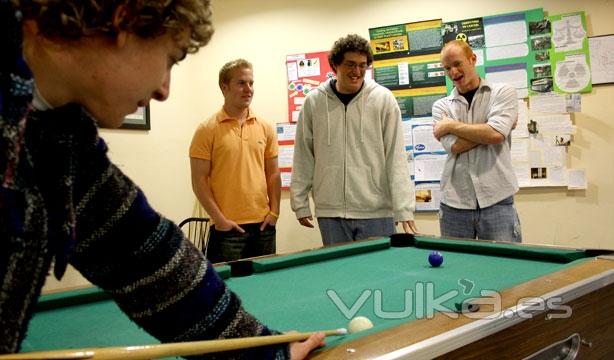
<point x="422" y="303"/>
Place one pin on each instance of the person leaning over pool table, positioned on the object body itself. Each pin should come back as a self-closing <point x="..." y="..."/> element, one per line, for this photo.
<point x="69" y="67"/>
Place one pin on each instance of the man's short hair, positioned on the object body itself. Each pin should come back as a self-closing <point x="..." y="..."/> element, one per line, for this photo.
<point x="349" y="43"/>
<point x="462" y="45"/>
<point x="229" y="67"/>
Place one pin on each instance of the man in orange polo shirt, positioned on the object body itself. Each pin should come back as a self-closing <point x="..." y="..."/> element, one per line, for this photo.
<point x="235" y="175"/>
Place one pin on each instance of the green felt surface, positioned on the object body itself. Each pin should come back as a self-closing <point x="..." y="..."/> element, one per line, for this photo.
<point x="295" y="292"/>
<point x="317" y="255"/>
<point x="391" y="280"/>
<point x="94" y="324"/>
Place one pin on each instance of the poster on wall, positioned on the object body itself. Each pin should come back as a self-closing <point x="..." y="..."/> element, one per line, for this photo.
<point x="602" y="59"/>
<point x="470" y="30"/>
<point x="510" y="48"/>
<point x="305" y="72"/>
<point x="403" y="40"/>
<point x="418" y="102"/>
<point x="570" y="53"/>
<point x="406" y="56"/>
<point x="424" y="37"/>
<point x="388" y="42"/>
<point x="286" y="132"/>
<point x="511" y="54"/>
<point x="410" y="72"/>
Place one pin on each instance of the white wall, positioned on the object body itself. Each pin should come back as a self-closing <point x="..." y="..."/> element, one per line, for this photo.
<point x="264" y="32"/>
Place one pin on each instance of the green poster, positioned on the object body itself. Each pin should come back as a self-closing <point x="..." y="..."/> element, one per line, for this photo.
<point x="418" y="102"/>
<point x="410" y="72"/>
<point x="389" y="42"/>
<point x="569" y="53"/>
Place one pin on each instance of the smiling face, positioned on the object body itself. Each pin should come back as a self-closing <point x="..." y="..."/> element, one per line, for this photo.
<point x="239" y="90"/>
<point x="351" y="72"/>
<point x="459" y="65"/>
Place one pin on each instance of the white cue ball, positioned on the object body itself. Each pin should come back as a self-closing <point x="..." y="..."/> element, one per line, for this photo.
<point x="359" y="323"/>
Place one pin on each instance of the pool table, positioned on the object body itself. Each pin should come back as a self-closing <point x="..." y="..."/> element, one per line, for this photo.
<point x="487" y="300"/>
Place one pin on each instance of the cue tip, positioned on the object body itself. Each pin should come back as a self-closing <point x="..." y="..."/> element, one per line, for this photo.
<point x="335" y="332"/>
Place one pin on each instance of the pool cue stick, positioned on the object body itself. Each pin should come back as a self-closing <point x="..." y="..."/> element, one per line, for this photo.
<point x="169" y="349"/>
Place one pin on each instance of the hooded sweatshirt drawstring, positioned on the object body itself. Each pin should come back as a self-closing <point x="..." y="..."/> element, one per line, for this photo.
<point x="327" y="122"/>
<point x="362" y="111"/>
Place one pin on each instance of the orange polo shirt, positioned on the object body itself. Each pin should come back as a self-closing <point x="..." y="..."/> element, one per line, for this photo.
<point x="237" y="154"/>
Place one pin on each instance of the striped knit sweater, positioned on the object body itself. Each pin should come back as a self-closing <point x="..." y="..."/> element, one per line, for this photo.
<point x="62" y="201"/>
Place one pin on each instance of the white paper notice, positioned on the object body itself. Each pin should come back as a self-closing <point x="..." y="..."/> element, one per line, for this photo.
<point x="535" y="158"/>
<point x="577" y="179"/>
<point x="554" y="156"/>
<point x="522" y="174"/>
<point x="558" y="176"/>
<point x="520" y="150"/>
<point x="554" y="124"/>
<point x="424" y="141"/>
<point x="285" y="156"/>
<point x="516" y="78"/>
<point x="292" y="71"/>
<point x="573" y="103"/>
<point x="479" y="54"/>
<point x="537" y="142"/>
<point x="568" y="33"/>
<point x="602" y="59"/>
<point x="403" y="69"/>
<point x="505" y="33"/>
<point x="410" y="163"/>
<point x="572" y="74"/>
<point x="286" y="132"/>
<point x="521" y="130"/>
<point x="428" y="167"/>
<point x="309" y="67"/>
<point x="407" y="137"/>
<point x="507" y="52"/>
<point x="552" y="102"/>
<point x="285" y="179"/>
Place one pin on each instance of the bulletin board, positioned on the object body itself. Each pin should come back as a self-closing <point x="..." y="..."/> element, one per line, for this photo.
<point x="546" y="58"/>
<point x="305" y="72"/>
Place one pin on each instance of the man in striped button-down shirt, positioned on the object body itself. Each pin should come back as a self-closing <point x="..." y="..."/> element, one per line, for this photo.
<point x="474" y="125"/>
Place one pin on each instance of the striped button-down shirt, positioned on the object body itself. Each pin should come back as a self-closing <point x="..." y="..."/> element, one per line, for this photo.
<point x="482" y="176"/>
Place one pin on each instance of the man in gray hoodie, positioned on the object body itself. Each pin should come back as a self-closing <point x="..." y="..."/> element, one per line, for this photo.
<point x="349" y="153"/>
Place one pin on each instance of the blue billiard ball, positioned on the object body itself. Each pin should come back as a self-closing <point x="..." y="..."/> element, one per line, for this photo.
<point x="435" y="259"/>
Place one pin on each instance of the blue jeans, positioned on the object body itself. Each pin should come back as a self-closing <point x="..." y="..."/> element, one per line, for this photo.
<point x="497" y="222"/>
<point x="233" y="245"/>
<point x="339" y="230"/>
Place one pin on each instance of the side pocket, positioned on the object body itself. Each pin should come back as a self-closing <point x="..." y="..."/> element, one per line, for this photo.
<point x="328" y="187"/>
<point x="363" y="190"/>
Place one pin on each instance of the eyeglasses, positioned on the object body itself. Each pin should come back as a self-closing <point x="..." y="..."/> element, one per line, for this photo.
<point x="352" y="65"/>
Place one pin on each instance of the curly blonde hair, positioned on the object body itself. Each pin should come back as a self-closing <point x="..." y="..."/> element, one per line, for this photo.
<point x="73" y="19"/>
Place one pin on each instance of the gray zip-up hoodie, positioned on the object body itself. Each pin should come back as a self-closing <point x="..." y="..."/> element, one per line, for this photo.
<point x="351" y="158"/>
